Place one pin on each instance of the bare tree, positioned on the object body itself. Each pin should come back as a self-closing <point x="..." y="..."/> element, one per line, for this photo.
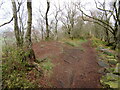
<point x="35" y="35"/>
<point x="42" y="32"/>
<point x="46" y="17"/>
<point x="104" y="23"/>
<point x="41" y="22"/>
<point x="69" y="18"/>
<point x="116" y="15"/>
<point x="17" y="31"/>
<point x="57" y="11"/>
<point x="41" y="25"/>
<point x="105" y="17"/>
<point x="17" y="10"/>
<point x="16" y="27"/>
<point x="22" y="20"/>
<point x="119" y="30"/>
<point x="31" y="54"/>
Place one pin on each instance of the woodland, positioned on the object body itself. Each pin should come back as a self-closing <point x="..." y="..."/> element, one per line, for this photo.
<point x="68" y="45"/>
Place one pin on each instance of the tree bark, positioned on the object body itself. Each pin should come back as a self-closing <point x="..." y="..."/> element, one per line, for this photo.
<point x="119" y="44"/>
<point x="119" y="32"/>
<point x="42" y="31"/>
<point x="16" y="28"/>
<point x="46" y="18"/>
<point x="56" y="27"/>
<point x="30" y="51"/>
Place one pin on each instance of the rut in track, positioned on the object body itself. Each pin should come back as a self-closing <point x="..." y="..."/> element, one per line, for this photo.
<point x="73" y="68"/>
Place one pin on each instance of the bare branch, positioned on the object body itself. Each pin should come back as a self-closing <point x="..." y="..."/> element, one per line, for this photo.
<point x="41" y="13"/>
<point x="1" y="4"/>
<point x="7" y="22"/>
<point x="96" y="23"/>
<point x="97" y="20"/>
<point x="101" y="8"/>
<point x="19" y="5"/>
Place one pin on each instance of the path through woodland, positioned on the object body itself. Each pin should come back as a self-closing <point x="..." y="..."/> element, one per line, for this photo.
<point x="74" y="68"/>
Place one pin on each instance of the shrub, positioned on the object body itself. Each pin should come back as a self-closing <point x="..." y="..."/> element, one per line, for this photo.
<point x="14" y="69"/>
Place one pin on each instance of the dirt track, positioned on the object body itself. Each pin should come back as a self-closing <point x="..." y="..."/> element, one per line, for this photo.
<point x="74" y="68"/>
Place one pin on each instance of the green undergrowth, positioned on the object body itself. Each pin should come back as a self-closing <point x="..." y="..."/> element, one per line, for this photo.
<point x="97" y="42"/>
<point x="75" y="43"/>
<point x="46" y="65"/>
<point x="107" y="59"/>
<point x="18" y="72"/>
<point x="15" y="69"/>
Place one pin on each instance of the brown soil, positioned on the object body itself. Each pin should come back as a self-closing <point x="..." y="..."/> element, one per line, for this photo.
<point x="74" y="68"/>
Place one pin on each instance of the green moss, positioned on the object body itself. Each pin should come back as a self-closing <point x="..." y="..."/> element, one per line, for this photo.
<point x="108" y="53"/>
<point x="103" y="64"/>
<point x="117" y="69"/>
<point x="97" y="42"/>
<point x="110" y="57"/>
<point x="112" y="84"/>
<point x="110" y="80"/>
<point x="110" y="70"/>
<point x="71" y="43"/>
<point x="75" y="42"/>
<point x="48" y="65"/>
<point x="112" y="61"/>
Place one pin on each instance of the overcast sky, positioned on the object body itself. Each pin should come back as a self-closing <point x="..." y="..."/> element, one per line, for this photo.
<point x="6" y="9"/>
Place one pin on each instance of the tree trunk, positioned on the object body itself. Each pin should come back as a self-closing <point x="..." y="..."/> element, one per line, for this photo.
<point x="107" y="39"/>
<point x="56" y="29"/>
<point x="30" y="51"/>
<point x="42" y="31"/>
<point x="119" y="32"/>
<point x="46" y="17"/>
<point x="114" y="46"/>
<point x="119" y="44"/>
<point x="69" y="31"/>
<point x="16" y="28"/>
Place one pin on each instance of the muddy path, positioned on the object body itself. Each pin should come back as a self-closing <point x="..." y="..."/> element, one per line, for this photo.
<point x="74" y="68"/>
